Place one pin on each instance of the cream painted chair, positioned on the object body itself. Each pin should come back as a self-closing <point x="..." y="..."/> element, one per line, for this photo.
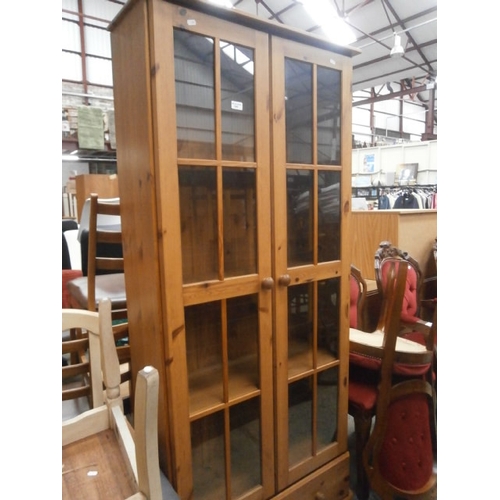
<point x="103" y="455"/>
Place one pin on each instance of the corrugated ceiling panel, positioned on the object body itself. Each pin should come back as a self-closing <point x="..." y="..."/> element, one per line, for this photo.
<point x="97" y="42"/>
<point x="100" y="9"/>
<point x="99" y="71"/>
<point x="70" y="36"/>
<point x="70" y="5"/>
<point x="71" y="67"/>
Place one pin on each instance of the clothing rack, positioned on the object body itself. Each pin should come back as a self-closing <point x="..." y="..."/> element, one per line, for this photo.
<point x="413" y="196"/>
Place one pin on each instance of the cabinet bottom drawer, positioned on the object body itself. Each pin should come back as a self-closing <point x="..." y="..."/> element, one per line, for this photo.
<point x="330" y="482"/>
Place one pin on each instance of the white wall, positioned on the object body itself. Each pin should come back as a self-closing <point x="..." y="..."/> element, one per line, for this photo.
<point x="386" y="160"/>
<point x="72" y="168"/>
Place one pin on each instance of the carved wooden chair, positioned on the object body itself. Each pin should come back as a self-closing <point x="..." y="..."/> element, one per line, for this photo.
<point x="103" y="455"/>
<point x="399" y="456"/>
<point x="357" y="299"/>
<point x="365" y="361"/>
<point x="413" y="327"/>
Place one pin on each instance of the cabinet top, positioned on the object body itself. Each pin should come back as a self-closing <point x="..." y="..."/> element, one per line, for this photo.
<point x="250" y="21"/>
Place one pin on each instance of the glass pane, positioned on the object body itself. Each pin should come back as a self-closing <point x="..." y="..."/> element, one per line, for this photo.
<point x="243" y="345"/>
<point x="237" y="102"/>
<point x="298" y="111"/>
<point x="207" y="446"/>
<point x="240" y="222"/>
<point x="198" y="207"/>
<point x="194" y="94"/>
<point x="300" y="396"/>
<point x="328" y="320"/>
<point x="300" y="328"/>
<point x="204" y="359"/>
<point x="326" y="420"/>
<point x="245" y="447"/>
<point x="328" y="215"/>
<point x="329" y="113"/>
<point x="300" y="217"/>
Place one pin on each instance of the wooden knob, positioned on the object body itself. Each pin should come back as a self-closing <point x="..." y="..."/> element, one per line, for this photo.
<point x="284" y="280"/>
<point x="267" y="283"/>
<point x="319" y="496"/>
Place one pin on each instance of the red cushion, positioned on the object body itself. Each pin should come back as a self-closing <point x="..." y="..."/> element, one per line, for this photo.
<point x="68" y="275"/>
<point x="372" y="363"/>
<point x="362" y="395"/>
<point x="406" y="457"/>
<point x="410" y="304"/>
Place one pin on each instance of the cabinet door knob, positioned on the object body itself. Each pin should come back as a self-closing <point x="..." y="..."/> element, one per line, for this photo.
<point x="284" y="280"/>
<point x="267" y="283"/>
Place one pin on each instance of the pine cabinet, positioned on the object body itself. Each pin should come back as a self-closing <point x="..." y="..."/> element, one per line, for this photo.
<point x="234" y="159"/>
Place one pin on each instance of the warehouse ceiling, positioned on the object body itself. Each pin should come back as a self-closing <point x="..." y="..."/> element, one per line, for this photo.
<point x="374" y="23"/>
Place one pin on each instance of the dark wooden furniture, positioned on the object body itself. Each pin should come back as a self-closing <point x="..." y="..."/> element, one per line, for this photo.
<point x="357" y="318"/>
<point x="366" y="350"/>
<point x="399" y="456"/>
<point x="412" y="326"/>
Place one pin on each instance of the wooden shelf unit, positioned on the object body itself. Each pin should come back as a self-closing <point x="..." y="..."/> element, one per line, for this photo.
<point x="233" y="207"/>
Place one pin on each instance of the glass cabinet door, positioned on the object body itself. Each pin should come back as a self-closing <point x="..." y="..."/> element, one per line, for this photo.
<point x="308" y="161"/>
<point x="224" y="192"/>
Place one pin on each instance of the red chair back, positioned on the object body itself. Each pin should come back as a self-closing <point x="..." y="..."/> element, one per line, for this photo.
<point x="410" y="300"/>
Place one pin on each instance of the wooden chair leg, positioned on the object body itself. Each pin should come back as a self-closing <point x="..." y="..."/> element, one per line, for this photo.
<point x="362" y="427"/>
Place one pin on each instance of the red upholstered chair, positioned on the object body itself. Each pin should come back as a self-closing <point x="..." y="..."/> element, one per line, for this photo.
<point x="67" y="276"/>
<point x="412" y="326"/>
<point x="365" y="361"/>
<point x="399" y="456"/>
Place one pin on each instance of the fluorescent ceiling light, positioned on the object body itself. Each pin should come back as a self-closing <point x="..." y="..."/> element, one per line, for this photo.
<point x="325" y="15"/>
<point x="397" y="50"/>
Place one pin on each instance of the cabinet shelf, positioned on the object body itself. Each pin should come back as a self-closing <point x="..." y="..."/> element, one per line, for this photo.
<point x="206" y="386"/>
<point x="300" y="360"/>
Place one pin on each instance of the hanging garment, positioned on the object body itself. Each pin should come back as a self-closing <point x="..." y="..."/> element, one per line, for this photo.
<point x="406" y="200"/>
<point x="384" y="202"/>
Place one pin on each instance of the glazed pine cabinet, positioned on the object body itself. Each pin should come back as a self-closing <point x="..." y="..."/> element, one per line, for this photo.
<point x="234" y="151"/>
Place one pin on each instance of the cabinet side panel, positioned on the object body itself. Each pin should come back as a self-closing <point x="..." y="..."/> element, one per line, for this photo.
<point x="345" y="231"/>
<point x="133" y="116"/>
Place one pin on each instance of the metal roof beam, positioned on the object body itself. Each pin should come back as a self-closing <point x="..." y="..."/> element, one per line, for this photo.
<point x="392" y="95"/>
